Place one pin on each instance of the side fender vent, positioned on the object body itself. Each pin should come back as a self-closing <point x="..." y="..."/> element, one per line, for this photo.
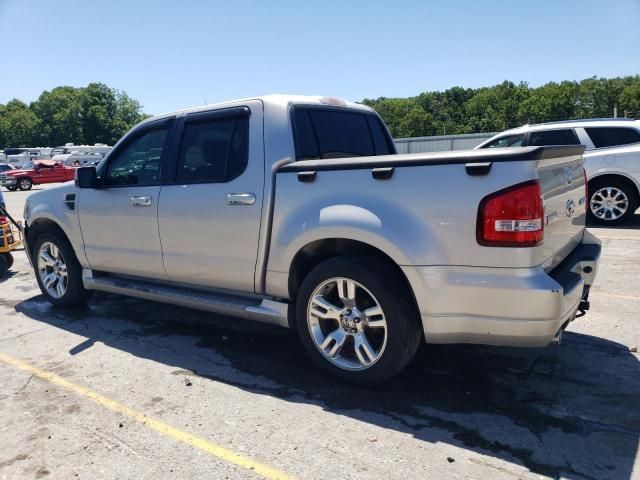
<point x="70" y="201"/>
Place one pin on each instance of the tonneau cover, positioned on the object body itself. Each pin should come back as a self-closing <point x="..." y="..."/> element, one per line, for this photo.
<point x="513" y="154"/>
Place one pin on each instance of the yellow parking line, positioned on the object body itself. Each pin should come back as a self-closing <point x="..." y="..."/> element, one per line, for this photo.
<point x="206" y="446"/>
<point x="614" y="295"/>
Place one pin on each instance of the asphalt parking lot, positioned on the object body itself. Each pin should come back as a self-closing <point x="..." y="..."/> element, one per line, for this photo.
<point x="128" y="388"/>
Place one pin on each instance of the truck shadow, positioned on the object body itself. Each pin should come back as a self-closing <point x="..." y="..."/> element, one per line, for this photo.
<point x="571" y="411"/>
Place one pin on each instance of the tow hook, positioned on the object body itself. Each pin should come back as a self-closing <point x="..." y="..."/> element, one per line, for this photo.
<point x="582" y="308"/>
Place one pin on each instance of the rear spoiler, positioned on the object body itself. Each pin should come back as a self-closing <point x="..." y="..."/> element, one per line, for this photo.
<point x="484" y="156"/>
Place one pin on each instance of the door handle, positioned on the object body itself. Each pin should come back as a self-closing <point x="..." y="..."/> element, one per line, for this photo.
<point x="142" y="201"/>
<point x="241" y="199"/>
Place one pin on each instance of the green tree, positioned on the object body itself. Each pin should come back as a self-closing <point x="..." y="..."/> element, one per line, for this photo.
<point x="629" y="100"/>
<point x="552" y="101"/>
<point x="59" y="115"/>
<point x="496" y="108"/>
<point x="18" y="124"/>
<point x="128" y="113"/>
<point x="99" y="108"/>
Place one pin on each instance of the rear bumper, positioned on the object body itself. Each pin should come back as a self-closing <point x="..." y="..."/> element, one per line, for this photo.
<point x="524" y="307"/>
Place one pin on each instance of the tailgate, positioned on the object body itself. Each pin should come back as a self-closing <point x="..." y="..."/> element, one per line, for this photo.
<point x="563" y="189"/>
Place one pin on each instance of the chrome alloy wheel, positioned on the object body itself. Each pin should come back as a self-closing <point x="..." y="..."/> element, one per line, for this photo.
<point x="609" y="203"/>
<point x="347" y="324"/>
<point x="52" y="270"/>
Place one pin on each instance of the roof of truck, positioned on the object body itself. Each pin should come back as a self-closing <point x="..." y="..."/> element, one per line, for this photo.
<point x="274" y="99"/>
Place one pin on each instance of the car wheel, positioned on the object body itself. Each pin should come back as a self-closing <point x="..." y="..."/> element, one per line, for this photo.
<point x="4" y="268"/>
<point x="611" y="202"/>
<point x="12" y="188"/>
<point x="356" y="319"/>
<point x="25" y="184"/>
<point x="58" y="271"/>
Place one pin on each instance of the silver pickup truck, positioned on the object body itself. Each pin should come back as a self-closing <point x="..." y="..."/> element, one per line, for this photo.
<point x="296" y="211"/>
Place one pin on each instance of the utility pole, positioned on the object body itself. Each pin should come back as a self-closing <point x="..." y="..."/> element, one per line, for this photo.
<point x="615" y="112"/>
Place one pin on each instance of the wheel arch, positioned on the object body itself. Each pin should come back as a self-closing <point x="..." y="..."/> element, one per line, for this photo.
<point x="39" y="226"/>
<point x="318" y="251"/>
<point x="623" y="177"/>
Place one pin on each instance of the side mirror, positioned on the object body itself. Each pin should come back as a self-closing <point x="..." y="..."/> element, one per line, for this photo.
<point x="86" y="177"/>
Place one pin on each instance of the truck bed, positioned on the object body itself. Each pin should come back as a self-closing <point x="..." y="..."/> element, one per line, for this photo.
<point x="428" y="216"/>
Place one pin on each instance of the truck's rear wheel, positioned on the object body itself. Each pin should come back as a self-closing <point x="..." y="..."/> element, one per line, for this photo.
<point x="58" y="271"/>
<point x="356" y="320"/>
<point x="25" y="184"/>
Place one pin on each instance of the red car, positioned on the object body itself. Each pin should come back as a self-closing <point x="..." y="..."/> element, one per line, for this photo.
<point x="43" y="171"/>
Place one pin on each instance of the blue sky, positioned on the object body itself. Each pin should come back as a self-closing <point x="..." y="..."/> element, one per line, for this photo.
<point x="174" y="54"/>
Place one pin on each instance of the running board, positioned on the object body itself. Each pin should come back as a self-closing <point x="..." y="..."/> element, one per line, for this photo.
<point x="251" y="308"/>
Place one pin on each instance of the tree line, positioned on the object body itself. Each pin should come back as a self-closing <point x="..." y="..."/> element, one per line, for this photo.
<point x="100" y="114"/>
<point x="87" y="115"/>
<point x="507" y="105"/>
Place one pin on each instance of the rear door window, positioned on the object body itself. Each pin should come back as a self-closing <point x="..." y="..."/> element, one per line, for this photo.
<point x="603" y="137"/>
<point x="553" y="137"/>
<point x="323" y="133"/>
<point x="214" y="150"/>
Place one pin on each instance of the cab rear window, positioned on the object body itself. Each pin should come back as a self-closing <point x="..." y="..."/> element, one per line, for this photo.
<point x="331" y="133"/>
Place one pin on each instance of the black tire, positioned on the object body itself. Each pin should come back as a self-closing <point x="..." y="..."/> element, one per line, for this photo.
<point x="25" y="184"/>
<point x="75" y="295"/>
<point x="621" y="185"/>
<point x="4" y="268"/>
<point x="404" y="332"/>
<point x="12" y="189"/>
<point x="9" y="259"/>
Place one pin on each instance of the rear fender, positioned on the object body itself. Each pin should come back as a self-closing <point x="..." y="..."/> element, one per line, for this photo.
<point x="379" y="224"/>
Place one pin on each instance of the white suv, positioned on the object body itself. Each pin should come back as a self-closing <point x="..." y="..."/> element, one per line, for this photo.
<point x="611" y="160"/>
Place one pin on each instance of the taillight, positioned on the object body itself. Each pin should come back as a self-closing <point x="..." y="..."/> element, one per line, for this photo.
<point x="512" y="217"/>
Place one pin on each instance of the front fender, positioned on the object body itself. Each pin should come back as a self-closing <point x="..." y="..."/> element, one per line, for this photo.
<point x="49" y="205"/>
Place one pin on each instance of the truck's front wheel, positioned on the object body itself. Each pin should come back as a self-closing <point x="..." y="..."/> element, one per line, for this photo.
<point x="58" y="271"/>
<point x="25" y="184"/>
<point x="356" y="319"/>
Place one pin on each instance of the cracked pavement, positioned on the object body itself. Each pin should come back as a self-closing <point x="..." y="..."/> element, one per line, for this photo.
<point x="569" y="411"/>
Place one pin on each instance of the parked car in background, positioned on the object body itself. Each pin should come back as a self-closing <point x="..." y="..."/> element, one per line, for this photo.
<point x="44" y="171"/>
<point x="296" y="211"/>
<point x="611" y="160"/>
<point x="22" y="155"/>
<point x="4" y="167"/>
<point x="69" y="148"/>
<point x="79" y="158"/>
